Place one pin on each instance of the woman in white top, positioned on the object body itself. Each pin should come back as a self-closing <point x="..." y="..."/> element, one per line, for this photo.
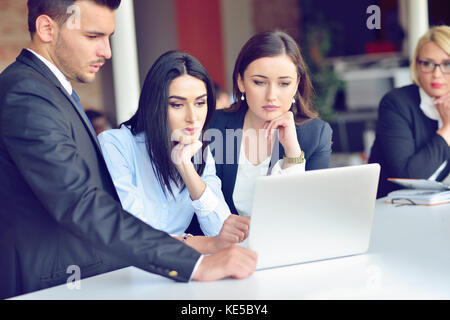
<point x="272" y="128"/>
<point x="162" y="171"/>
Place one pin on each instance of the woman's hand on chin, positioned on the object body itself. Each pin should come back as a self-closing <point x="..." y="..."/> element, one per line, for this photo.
<point x="443" y="106"/>
<point x="182" y="152"/>
<point x="287" y="133"/>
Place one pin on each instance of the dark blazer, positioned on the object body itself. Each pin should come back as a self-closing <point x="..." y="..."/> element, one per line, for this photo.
<point x="59" y="206"/>
<point x="406" y="143"/>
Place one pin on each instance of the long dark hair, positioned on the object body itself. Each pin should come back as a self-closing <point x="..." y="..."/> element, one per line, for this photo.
<point x="151" y="117"/>
<point x="271" y="44"/>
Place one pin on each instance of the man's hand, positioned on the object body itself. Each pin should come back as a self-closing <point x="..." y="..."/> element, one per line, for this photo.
<point x="235" y="262"/>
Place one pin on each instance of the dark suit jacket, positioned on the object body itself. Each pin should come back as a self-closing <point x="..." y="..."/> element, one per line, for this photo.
<point x="59" y="206"/>
<point x="406" y="143"/>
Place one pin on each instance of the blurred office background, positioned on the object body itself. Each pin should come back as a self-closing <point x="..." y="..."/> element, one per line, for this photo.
<point x="354" y="58"/>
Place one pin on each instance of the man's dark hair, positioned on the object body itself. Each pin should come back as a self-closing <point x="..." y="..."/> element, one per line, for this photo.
<point x="57" y="10"/>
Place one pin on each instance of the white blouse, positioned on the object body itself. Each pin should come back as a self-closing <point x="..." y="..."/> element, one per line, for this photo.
<point x="246" y="176"/>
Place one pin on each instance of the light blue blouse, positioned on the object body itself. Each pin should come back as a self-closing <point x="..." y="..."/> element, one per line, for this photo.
<point x="141" y="194"/>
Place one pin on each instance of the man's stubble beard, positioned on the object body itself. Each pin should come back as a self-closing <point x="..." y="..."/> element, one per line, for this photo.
<point x="66" y="66"/>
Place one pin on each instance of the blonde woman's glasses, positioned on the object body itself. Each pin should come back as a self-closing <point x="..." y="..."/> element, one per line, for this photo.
<point x="428" y="66"/>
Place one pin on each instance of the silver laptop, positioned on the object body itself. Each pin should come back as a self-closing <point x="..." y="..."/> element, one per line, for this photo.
<point x="312" y="216"/>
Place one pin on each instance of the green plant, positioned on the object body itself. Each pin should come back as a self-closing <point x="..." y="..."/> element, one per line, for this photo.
<point x="324" y="79"/>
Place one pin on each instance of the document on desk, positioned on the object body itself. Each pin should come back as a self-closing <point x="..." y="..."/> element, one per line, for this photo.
<point x="419" y="197"/>
<point x="420" y="184"/>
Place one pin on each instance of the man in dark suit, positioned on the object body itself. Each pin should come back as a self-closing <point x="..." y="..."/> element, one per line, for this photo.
<point x="59" y="206"/>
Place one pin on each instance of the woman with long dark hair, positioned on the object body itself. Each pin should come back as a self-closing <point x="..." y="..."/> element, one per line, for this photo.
<point x="273" y="93"/>
<point x="162" y="172"/>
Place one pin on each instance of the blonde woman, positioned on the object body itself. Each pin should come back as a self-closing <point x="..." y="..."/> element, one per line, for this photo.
<point x="413" y="130"/>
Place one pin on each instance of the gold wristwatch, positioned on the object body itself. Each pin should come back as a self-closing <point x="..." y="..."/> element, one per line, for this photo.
<point x="296" y="160"/>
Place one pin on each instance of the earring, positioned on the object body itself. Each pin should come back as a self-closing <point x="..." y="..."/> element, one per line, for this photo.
<point x="293" y="100"/>
<point x="242" y="96"/>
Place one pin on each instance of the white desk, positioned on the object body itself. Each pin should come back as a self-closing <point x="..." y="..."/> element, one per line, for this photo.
<point x="409" y="258"/>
